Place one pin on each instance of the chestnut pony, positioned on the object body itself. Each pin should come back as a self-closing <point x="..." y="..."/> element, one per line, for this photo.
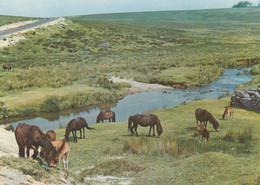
<point x="106" y="115"/>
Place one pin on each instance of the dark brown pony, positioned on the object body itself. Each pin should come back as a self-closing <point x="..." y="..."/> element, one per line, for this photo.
<point x="204" y="116"/>
<point x="229" y="112"/>
<point x="5" y="67"/>
<point x="106" y="115"/>
<point x="51" y="134"/>
<point x="144" y="120"/>
<point x="74" y="125"/>
<point x="31" y="137"/>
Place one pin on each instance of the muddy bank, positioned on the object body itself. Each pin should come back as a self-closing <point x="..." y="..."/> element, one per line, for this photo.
<point x="137" y="87"/>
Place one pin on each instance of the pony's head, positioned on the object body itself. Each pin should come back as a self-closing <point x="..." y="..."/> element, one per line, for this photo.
<point x="216" y="125"/>
<point x="159" y="127"/>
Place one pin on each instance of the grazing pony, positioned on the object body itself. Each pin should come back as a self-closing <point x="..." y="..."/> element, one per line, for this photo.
<point x="229" y="111"/>
<point x="31" y="137"/>
<point x="74" y="125"/>
<point x="64" y="153"/>
<point x="106" y="115"/>
<point x="5" y="67"/>
<point x="203" y="133"/>
<point x="204" y="116"/>
<point x="144" y="120"/>
<point x="51" y="134"/>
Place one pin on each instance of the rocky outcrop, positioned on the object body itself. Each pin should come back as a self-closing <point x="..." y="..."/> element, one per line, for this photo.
<point x="248" y="98"/>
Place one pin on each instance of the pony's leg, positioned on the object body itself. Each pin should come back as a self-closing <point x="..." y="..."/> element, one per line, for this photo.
<point x="28" y="152"/>
<point x="80" y="134"/>
<point x="21" y="151"/>
<point x="35" y="148"/>
<point x="76" y="136"/>
<point x="136" y="130"/>
<point x="84" y="132"/>
<point x="150" y="131"/>
<point x="153" y="131"/>
<point x="67" y="161"/>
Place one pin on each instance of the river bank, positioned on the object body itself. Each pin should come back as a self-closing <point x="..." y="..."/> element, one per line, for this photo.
<point x="144" y="102"/>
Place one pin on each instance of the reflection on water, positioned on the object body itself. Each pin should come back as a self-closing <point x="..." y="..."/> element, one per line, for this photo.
<point x="146" y="101"/>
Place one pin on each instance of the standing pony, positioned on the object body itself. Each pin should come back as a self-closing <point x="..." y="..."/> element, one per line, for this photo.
<point x="204" y="116"/>
<point x="74" y="125"/>
<point x="106" y="115"/>
<point x="144" y="121"/>
<point x="5" y="67"/>
<point x="229" y="111"/>
<point x="31" y="137"/>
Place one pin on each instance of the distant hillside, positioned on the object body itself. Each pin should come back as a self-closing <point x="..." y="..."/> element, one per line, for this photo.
<point x="187" y="18"/>
<point x="4" y="19"/>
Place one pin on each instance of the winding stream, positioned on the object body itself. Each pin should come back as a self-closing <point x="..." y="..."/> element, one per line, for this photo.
<point x="147" y="101"/>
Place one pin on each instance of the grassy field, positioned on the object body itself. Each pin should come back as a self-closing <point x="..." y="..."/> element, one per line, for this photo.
<point x="12" y="19"/>
<point x="155" y="47"/>
<point x="230" y="157"/>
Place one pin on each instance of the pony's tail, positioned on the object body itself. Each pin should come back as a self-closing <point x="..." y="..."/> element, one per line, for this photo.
<point x="90" y="128"/>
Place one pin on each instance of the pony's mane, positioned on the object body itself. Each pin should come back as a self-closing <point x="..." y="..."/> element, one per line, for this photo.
<point x="212" y="120"/>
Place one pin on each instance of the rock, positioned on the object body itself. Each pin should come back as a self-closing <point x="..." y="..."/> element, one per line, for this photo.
<point x="105" y="45"/>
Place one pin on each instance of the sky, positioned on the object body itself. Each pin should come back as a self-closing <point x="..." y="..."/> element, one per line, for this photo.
<point x="56" y="8"/>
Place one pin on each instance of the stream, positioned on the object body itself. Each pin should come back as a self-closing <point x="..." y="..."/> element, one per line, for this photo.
<point x="146" y="101"/>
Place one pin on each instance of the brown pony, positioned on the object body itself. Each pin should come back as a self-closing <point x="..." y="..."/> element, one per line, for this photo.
<point x="204" y="116"/>
<point x="5" y="67"/>
<point x="203" y="133"/>
<point x="144" y="120"/>
<point x="31" y="137"/>
<point x="229" y="111"/>
<point x="106" y="115"/>
<point x="51" y="134"/>
<point x="74" y="125"/>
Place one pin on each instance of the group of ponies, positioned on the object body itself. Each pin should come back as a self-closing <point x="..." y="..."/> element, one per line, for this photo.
<point x="204" y="117"/>
<point x="31" y="137"/>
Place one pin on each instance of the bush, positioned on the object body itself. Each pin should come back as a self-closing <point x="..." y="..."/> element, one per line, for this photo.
<point x="50" y="104"/>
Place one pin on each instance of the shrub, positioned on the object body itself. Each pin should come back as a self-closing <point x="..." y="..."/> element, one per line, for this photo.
<point x="50" y="104"/>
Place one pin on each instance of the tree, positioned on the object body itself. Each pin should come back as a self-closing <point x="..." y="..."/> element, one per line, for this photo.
<point x="242" y="4"/>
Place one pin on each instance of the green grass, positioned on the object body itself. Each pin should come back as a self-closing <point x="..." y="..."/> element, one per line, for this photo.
<point x="230" y="157"/>
<point x="12" y="19"/>
<point x="176" y="48"/>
